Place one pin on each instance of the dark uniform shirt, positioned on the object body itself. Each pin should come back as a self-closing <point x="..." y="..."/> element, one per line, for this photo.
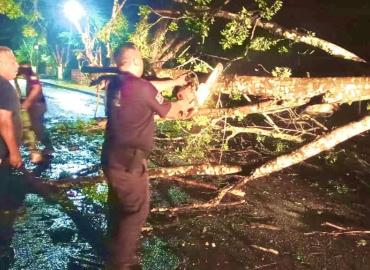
<point x="9" y="101"/>
<point x="32" y="80"/>
<point x="131" y="105"/>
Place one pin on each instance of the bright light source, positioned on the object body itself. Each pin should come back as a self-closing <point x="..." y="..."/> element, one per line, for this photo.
<point x="74" y="11"/>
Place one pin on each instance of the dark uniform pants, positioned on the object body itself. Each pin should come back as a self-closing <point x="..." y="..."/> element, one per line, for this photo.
<point x="36" y="112"/>
<point x="128" y="200"/>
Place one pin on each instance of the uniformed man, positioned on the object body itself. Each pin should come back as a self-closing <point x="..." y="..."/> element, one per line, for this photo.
<point x="11" y="194"/>
<point x="34" y="103"/>
<point x="129" y="137"/>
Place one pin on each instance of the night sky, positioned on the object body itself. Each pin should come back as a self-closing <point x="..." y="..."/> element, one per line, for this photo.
<point x="346" y="23"/>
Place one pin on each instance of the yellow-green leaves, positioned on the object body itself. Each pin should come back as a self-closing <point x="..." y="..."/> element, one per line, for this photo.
<point x="10" y="9"/>
<point x="237" y="31"/>
<point x="267" y="11"/>
<point x="263" y="43"/>
<point x="29" y="31"/>
<point x="281" y="72"/>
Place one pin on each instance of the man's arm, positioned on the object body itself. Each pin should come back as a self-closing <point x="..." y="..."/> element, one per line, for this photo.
<point x="32" y="97"/>
<point x="169" y="84"/>
<point x="7" y="132"/>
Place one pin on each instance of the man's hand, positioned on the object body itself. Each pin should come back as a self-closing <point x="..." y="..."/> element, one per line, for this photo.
<point x="15" y="159"/>
<point x="26" y="105"/>
<point x="189" y="113"/>
<point x="186" y="109"/>
<point x="186" y="93"/>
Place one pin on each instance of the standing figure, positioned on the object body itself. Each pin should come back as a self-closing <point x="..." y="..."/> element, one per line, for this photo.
<point x="11" y="191"/>
<point x="34" y="104"/>
<point x="132" y="103"/>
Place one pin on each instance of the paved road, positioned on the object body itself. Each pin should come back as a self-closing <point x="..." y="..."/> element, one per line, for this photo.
<point x="69" y="104"/>
<point x="65" y="104"/>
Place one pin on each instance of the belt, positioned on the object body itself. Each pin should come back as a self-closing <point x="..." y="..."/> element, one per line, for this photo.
<point x="128" y="157"/>
<point x="135" y="158"/>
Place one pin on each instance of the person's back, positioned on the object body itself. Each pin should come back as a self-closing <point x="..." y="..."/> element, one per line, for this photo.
<point x="130" y="113"/>
<point x="10" y="123"/>
<point x="33" y="110"/>
<point x="131" y="105"/>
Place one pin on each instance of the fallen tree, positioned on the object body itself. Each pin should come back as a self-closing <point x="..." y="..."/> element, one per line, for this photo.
<point x="323" y="143"/>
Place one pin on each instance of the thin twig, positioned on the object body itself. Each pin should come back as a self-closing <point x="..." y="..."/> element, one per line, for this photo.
<point x="269" y="250"/>
<point x="353" y="233"/>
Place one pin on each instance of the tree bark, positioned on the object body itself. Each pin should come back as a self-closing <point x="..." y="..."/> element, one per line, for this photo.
<point x="205" y="169"/>
<point x="261" y="107"/>
<point x="336" y="89"/>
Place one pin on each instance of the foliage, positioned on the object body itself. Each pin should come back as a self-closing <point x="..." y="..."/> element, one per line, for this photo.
<point x="263" y="43"/>
<point x="177" y="196"/>
<point x="281" y="72"/>
<point x="141" y="36"/>
<point x="98" y="193"/>
<point x="114" y="32"/>
<point x="272" y="146"/>
<point x="237" y="31"/>
<point x="11" y="9"/>
<point x="202" y="2"/>
<point x="200" y="24"/>
<point x="156" y="255"/>
<point x="29" y="31"/>
<point x="150" y="45"/>
<point x="338" y="187"/>
<point x="198" y="136"/>
<point x="331" y="158"/>
<point x="35" y="50"/>
<point x="266" y="11"/>
<point x="173" y="26"/>
<point x="24" y="53"/>
<point x="78" y="127"/>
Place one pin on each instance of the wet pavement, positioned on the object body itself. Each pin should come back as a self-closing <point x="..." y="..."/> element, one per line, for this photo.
<point x="45" y="236"/>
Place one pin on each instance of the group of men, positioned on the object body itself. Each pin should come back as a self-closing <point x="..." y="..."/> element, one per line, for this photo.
<point x="32" y="108"/>
<point x="131" y="105"/>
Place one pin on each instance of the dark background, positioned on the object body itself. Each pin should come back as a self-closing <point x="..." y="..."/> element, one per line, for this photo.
<point x="345" y="23"/>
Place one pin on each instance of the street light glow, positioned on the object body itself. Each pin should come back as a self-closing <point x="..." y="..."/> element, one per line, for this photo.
<point x="74" y="11"/>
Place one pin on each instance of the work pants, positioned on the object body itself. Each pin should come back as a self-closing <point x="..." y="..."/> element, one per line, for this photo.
<point x="36" y="115"/>
<point x="128" y="200"/>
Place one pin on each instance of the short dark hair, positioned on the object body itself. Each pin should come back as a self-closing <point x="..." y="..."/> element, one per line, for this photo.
<point x="25" y="68"/>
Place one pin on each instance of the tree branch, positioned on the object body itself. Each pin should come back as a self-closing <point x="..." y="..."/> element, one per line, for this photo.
<point x="281" y="31"/>
<point x="324" y="143"/>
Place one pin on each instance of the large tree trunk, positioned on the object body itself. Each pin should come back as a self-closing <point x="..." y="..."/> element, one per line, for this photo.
<point x="284" y="93"/>
<point x="345" y="88"/>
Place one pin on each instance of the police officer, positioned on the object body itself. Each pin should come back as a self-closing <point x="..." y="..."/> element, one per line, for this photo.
<point x="34" y="103"/>
<point x="129" y="137"/>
